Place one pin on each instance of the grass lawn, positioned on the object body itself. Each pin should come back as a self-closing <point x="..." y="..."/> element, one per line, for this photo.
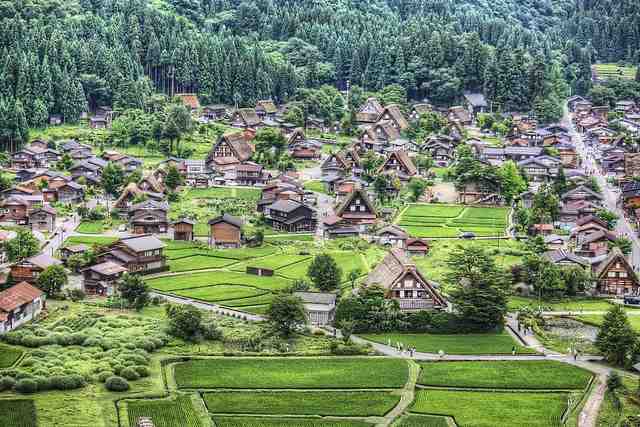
<point x="285" y="422"/>
<point x="433" y="220"/>
<point x="17" y="413"/>
<point x="524" y="374"/>
<point x="491" y="343"/>
<point x="316" y="186"/>
<point x="506" y="253"/>
<point x="89" y="240"/>
<point x="422" y="421"/>
<point x="596" y="320"/>
<point x="164" y="412"/>
<point x="575" y="304"/>
<point x="97" y="227"/>
<point x="198" y="262"/>
<point x="274" y="373"/>
<point x="9" y="356"/>
<point x="491" y="409"/>
<point x="336" y="403"/>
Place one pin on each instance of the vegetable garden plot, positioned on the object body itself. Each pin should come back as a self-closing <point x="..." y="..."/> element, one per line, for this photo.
<point x="17" y="413"/>
<point x="164" y="412"/>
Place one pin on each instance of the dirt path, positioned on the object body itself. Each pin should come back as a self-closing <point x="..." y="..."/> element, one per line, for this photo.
<point x="408" y="393"/>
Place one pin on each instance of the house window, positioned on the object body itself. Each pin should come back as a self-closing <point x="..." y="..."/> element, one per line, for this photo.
<point x="352" y="208"/>
<point x="408" y="294"/>
<point x="611" y="274"/>
<point x="361" y="208"/>
<point x="622" y="274"/>
<point x="396" y="294"/>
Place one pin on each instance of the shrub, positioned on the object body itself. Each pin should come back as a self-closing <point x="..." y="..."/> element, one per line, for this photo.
<point x="77" y="295"/>
<point x="67" y="382"/>
<point x="116" y="383"/>
<point x="42" y="383"/>
<point x="104" y="375"/>
<point x="347" y="349"/>
<point x="26" y="386"/>
<point x="211" y="332"/>
<point x="142" y="371"/>
<point x="130" y="374"/>
<point x="7" y="383"/>
<point x="92" y="342"/>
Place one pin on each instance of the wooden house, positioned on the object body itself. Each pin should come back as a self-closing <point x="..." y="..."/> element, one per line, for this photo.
<point x="101" y="279"/>
<point x="418" y="110"/>
<point x="335" y="165"/>
<point x="582" y="192"/>
<point x="43" y="219"/>
<point x="14" y="209"/>
<point x="379" y="136"/>
<point x="615" y="275"/>
<point x="392" y="235"/>
<point x="70" y="192"/>
<point x="370" y="111"/>
<point x="417" y="247"/>
<point x="565" y="258"/>
<point x="400" y="163"/>
<point x="290" y="216"/>
<point x="149" y="217"/>
<point x="594" y="244"/>
<point x="225" y="231"/>
<point x="69" y="251"/>
<point x="266" y="109"/>
<point x="139" y="254"/>
<point x="403" y="282"/>
<point x="132" y="192"/>
<point x="149" y="183"/>
<point x="460" y="115"/>
<point x="632" y="165"/>
<point x="245" y="118"/>
<point x="392" y="113"/>
<point x="358" y="210"/>
<point x="229" y="150"/>
<point x="249" y="174"/>
<point x="214" y="112"/>
<point x="475" y="103"/>
<point x="29" y="269"/>
<point x="319" y="307"/>
<point x="183" y="229"/>
<point x="20" y="304"/>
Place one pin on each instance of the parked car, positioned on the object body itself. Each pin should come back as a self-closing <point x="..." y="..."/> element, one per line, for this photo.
<point x="468" y="235"/>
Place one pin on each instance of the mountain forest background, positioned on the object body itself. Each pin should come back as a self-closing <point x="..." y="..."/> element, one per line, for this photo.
<point x="65" y="57"/>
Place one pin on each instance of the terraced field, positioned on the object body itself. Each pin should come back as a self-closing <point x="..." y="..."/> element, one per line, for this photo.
<point x="174" y="412"/>
<point x="614" y="71"/>
<point x="427" y="220"/>
<point x="17" y="413"/>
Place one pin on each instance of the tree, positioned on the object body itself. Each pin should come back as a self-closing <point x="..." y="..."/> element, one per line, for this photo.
<point x="609" y="217"/>
<point x="347" y="328"/>
<point x="173" y="179"/>
<point x="52" y="280"/>
<point x="112" y="179"/>
<point x="325" y="273"/>
<point x="479" y="288"/>
<point x="134" y="290"/>
<point x="286" y="313"/>
<point x="417" y="187"/>
<point x="511" y="181"/>
<point x="625" y="245"/>
<point x="616" y="337"/>
<point x="576" y="280"/>
<point x="270" y="145"/>
<point x="185" y="321"/>
<point x="544" y="276"/>
<point x="24" y="245"/>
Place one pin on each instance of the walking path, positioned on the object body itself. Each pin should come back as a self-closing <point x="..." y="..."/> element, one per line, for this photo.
<point x="408" y="394"/>
<point x="210" y="307"/>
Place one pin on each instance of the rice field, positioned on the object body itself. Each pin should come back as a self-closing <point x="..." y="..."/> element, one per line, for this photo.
<point x="292" y="373"/>
<point x="433" y="221"/>
<point x="285" y="422"/>
<point x="493" y="408"/>
<point x="9" y="356"/>
<point x="611" y="71"/>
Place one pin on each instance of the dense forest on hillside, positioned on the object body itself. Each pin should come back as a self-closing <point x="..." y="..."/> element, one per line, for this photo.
<point x="66" y="57"/>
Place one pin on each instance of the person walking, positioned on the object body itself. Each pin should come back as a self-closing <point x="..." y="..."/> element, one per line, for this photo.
<point x="513" y="350"/>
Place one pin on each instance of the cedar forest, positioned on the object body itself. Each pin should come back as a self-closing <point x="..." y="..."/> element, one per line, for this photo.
<point x="66" y="57"/>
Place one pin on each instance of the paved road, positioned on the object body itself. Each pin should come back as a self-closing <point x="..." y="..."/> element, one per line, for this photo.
<point x="610" y="195"/>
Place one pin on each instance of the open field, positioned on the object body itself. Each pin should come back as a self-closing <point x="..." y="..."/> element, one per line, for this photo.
<point x="274" y="373"/>
<point x="505" y="253"/>
<point x="525" y="374"/>
<point x="97" y="227"/>
<point x="9" y="355"/>
<point x="610" y="71"/>
<point x="89" y="240"/>
<point x="491" y="409"/>
<point x="17" y="413"/>
<point x="164" y="412"/>
<point x="330" y="403"/>
<point x="575" y="304"/>
<point x="491" y="343"/>
<point x="432" y="220"/>
<point x="315" y="186"/>
<point x="422" y="421"/>
<point x="285" y="422"/>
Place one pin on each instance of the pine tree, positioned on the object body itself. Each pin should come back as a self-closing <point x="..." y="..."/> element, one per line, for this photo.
<point x="616" y="338"/>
